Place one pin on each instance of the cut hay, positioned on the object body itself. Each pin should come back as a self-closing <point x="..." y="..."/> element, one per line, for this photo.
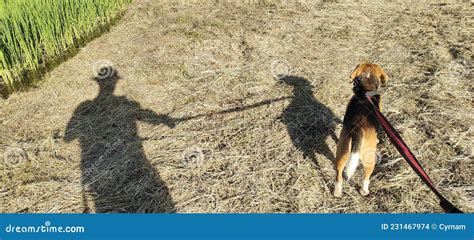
<point x="231" y="135"/>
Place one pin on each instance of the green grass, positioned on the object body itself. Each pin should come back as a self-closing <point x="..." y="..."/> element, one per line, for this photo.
<point x="35" y="34"/>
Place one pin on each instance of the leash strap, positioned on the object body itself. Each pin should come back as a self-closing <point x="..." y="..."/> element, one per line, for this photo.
<point x="410" y="158"/>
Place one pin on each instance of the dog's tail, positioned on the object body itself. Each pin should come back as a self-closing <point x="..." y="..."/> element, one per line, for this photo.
<point x="355" y="152"/>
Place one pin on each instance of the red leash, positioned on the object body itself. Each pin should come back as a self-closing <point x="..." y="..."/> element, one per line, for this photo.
<point x="408" y="155"/>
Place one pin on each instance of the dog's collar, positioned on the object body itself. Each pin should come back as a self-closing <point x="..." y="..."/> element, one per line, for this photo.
<point x="371" y="93"/>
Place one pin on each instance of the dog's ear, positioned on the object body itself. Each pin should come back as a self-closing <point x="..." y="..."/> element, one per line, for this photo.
<point x="382" y="75"/>
<point x="355" y="72"/>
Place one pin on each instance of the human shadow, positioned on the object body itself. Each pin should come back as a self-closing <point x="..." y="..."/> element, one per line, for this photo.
<point x="115" y="171"/>
<point x="308" y="121"/>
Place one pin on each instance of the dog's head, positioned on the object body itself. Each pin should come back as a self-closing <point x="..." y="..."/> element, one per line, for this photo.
<point x="368" y="77"/>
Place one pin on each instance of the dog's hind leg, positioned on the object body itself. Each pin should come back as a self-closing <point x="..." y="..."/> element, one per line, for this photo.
<point x="368" y="157"/>
<point x="342" y="155"/>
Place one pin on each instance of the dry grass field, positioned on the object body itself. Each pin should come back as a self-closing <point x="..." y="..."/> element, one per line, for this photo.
<point x="234" y="106"/>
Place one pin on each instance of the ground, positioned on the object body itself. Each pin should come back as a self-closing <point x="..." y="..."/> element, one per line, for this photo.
<point x="236" y="107"/>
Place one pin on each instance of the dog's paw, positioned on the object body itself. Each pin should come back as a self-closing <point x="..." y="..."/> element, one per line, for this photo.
<point x="364" y="192"/>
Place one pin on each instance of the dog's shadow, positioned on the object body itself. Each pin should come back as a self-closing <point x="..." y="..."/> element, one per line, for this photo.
<point x="309" y="122"/>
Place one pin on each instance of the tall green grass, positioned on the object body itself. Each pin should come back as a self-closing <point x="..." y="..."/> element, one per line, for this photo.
<point x="37" y="33"/>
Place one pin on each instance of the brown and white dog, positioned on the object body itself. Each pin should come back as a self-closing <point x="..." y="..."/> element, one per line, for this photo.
<point x="358" y="137"/>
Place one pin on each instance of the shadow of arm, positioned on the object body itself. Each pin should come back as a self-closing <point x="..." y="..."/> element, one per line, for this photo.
<point x="153" y="118"/>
